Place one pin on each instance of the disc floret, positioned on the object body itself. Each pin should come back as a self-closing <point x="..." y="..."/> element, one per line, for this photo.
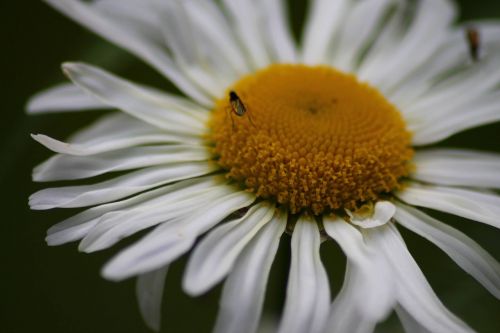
<point x="317" y="138"/>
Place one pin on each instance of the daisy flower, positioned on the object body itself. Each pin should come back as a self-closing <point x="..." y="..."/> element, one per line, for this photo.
<point x="326" y="141"/>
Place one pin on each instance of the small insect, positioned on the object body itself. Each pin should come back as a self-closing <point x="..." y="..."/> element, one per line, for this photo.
<point x="474" y="41"/>
<point x="237" y="106"/>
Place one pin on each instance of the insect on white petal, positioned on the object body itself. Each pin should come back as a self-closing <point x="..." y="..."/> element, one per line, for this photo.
<point x="474" y="42"/>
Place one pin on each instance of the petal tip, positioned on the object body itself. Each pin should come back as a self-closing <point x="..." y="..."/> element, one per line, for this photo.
<point x="33" y="105"/>
<point x="191" y="286"/>
<point x="70" y="68"/>
<point x="109" y="272"/>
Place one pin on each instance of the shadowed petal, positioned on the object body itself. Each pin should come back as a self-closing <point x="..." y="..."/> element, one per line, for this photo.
<point x="158" y="109"/>
<point x="136" y="36"/>
<point x="463" y="250"/>
<point x="244" y="290"/>
<point x="471" y="204"/>
<point x="117" y="188"/>
<point x="308" y="291"/>
<point x="216" y="254"/>
<point x="413" y="291"/>
<point x="170" y="240"/>
<point x="457" y="167"/>
<point x="149" y="291"/>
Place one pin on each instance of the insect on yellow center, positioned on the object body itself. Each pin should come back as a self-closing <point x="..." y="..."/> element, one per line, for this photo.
<point x="310" y="138"/>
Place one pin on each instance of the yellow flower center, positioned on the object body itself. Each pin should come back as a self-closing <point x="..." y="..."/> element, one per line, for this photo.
<point x="311" y="138"/>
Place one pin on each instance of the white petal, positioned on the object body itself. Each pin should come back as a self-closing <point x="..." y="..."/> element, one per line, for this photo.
<point x="453" y="56"/>
<point x="245" y="18"/>
<point x="209" y="19"/>
<point x="346" y="315"/>
<point x="413" y="291"/>
<point x="113" y="132"/>
<point x="321" y="26"/>
<point x="121" y="122"/>
<point x="194" y="54"/>
<point x="280" y="37"/>
<point x="474" y="205"/>
<point x="68" y="167"/>
<point x="111" y="124"/>
<point x="110" y="143"/>
<point x="462" y="249"/>
<point x="349" y="239"/>
<point x="386" y="41"/>
<point x="427" y="32"/>
<point x="244" y="290"/>
<point x="382" y="213"/>
<point x="367" y="296"/>
<point x="457" y="167"/>
<point x="160" y="110"/>
<point x="308" y="291"/>
<point x="149" y="290"/>
<point x="117" y="188"/>
<point x="170" y="240"/>
<point x="176" y="204"/>
<point x="216" y="254"/>
<point x="64" y="97"/>
<point x="468" y="85"/>
<point x="193" y="31"/>
<point x="170" y="27"/>
<point x="179" y="33"/>
<point x="78" y="226"/>
<point x="409" y="323"/>
<point x="433" y="128"/>
<point x="463" y="100"/>
<point x="134" y="35"/>
<point x="143" y="12"/>
<point x="359" y="27"/>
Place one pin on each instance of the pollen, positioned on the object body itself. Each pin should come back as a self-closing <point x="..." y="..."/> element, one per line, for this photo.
<point x="311" y="138"/>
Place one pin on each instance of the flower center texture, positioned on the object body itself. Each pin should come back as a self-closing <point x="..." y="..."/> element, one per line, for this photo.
<point x="311" y="138"/>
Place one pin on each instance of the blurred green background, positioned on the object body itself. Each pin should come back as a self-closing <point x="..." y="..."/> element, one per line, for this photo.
<point x="57" y="289"/>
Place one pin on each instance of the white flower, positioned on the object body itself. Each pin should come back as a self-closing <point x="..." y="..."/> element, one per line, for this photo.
<point x="302" y="147"/>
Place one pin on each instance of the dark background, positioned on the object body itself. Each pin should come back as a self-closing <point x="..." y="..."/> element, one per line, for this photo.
<point x="57" y="289"/>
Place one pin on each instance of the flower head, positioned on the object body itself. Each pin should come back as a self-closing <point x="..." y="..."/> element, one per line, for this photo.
<point x="325" y="141"/>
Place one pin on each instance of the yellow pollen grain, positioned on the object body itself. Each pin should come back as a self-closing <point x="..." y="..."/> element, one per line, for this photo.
<point x="312" y="138"/>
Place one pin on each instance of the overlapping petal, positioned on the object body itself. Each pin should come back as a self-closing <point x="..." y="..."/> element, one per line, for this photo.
<point x="357" y="32"/>
<point x="117" y="188"/>
<point x="113" y="132"/>
<point x="178" y="203"/>
<point x="67" y="167"/>
<point x="244" y="290"/>
<point x="308" y="292"/>
<point x="368" y="293"/>
<point x="172" y="239"/>
<point x="429" y="26"/>
<point x="457" y="167"/>
<point x="413" y="292"/>
<point x="462" y="249"/>
<point x="479" y="206"/>
<point x="325" y="18"/>
<point x="135" y="34"/>
<point x="216" y="254"/>
<point x="167" y="112"/>
<point x="78" y="226"/>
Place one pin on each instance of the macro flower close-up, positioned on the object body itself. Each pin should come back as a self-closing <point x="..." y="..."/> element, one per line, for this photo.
<point x="335" y="141"/>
